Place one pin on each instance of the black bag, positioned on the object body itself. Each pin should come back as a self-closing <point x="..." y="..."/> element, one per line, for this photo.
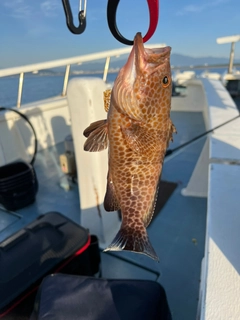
<point x="66" y="297"/>
<point x="51" y="243"/>
<point x="18" y="180"/>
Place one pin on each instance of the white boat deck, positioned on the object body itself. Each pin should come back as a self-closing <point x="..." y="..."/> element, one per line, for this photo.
<point x="177" y="233"/>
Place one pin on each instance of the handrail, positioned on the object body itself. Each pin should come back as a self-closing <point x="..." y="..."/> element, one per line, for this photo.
<point x="85" y="58"/>
<point x="74" y="60"/>
<point x="66" y="62"/>
<point x="66" y="77"/>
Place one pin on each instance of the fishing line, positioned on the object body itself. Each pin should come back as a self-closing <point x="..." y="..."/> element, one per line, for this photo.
<point x="171" y="151"/>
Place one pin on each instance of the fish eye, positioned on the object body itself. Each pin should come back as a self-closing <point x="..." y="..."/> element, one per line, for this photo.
<point x="165" y="82"/>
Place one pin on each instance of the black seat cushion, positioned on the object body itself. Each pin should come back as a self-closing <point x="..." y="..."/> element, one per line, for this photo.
<point x="63" y="297"/>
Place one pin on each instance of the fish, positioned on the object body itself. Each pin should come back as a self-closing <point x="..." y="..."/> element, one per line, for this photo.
<point x="137" y="132"/>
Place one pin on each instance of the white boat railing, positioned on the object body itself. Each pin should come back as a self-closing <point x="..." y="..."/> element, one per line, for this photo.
<point x="34" y="68"/>
<point x="218" y="165"/>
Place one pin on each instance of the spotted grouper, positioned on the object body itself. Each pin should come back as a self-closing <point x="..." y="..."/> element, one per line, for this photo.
<point x="137" y="131"/>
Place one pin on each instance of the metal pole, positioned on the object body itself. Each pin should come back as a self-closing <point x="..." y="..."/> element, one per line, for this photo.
<point x="105" y="73"/>
<point x="20" y="86"/>
<point x="66" y="77"/>
<point x="231" y="58"/>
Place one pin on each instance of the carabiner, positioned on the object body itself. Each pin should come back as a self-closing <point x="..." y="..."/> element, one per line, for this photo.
<point x="153" y="6"/>
<point x="69" y="18"/>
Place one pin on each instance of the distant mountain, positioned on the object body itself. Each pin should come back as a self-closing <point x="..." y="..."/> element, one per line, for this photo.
<point x="178" y="60"/>
<point x="98" y="66"/>
<point x="43" y="72"/>
<point x="182" y="60"/>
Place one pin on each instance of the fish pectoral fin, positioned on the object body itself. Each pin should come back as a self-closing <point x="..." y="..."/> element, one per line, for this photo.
<point x="138" y="138"/>
<point x="110" y="200"/>
<point x="107" y="99"/>
<point x="97" y="136"/>
<point x="172" y="129"/>
<point x="133" y="239"/>
<point x="93" y="126"/>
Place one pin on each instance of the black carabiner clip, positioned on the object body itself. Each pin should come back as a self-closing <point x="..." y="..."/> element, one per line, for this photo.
<point x="69" y="19"/>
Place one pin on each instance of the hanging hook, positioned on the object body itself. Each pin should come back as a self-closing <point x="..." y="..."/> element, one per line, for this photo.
<point x="81" y="17"/>
<point x="153" y="6"/>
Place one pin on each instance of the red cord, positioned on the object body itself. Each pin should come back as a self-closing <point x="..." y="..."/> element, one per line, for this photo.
<point x="153" y="6"/>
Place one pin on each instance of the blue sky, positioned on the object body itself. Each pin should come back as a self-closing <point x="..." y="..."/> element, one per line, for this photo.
<point x="35" y="30"/>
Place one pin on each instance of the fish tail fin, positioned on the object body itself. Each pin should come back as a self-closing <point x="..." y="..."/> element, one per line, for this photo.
<point x="133" y="240"/>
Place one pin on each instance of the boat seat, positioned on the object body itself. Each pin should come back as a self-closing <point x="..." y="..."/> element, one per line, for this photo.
<point x="85" y="101"/>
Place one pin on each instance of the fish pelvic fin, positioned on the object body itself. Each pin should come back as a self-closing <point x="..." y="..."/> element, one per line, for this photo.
<point x="110" y="201"/>
<point x="140" y="139"/>
<point x="131" y="239"/>
<point x="97" y="136"/>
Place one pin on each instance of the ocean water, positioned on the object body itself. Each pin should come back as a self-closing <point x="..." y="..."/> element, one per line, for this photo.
<point x="38" y="87"/>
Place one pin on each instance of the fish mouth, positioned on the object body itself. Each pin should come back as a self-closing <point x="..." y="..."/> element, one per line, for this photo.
<point x="140" y="58"/>
<point x="139" y="47"/>
<point x="145" y="56"/>
<point x="158" y="51"/>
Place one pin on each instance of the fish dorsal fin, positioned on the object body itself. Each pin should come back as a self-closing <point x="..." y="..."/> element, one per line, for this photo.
<point x="97" y="136"/>
<point x="148" y="217"/>
<point x="110" y="200"/>
<point x="139" y="139"/>
<point x="107" y="99"/>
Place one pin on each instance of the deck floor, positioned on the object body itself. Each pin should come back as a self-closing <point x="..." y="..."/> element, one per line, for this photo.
<point x="177" y="233"/>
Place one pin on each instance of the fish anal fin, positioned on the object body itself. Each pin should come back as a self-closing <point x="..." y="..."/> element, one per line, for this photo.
<point x="97" y="136"/>
<point x="110" y="200"/>
<point x="148" y="217"/>
<point x="107" y="99"/>
<point x="131" y="239"/>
